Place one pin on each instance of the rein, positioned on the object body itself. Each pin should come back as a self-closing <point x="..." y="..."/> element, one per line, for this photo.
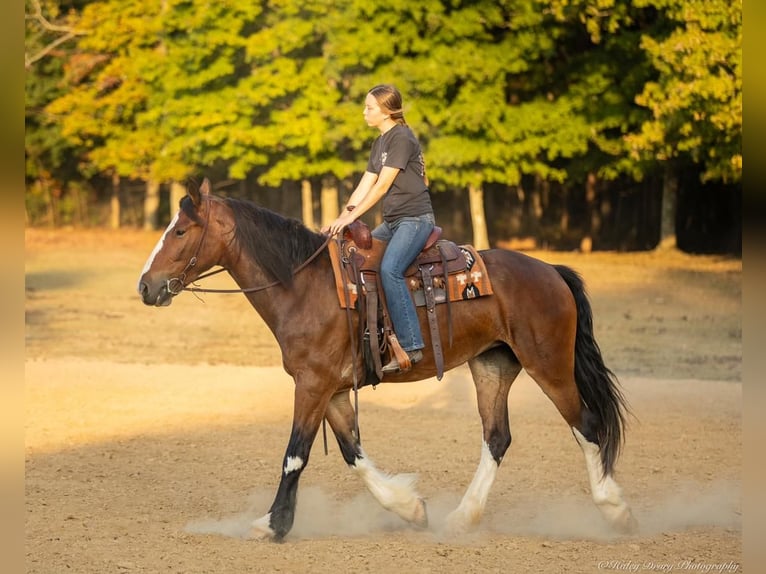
<point x="297" y="270"/>
<point x="177" y="284"/>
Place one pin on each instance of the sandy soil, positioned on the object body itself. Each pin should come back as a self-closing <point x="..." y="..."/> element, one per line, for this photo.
<point x="153" y="436"/>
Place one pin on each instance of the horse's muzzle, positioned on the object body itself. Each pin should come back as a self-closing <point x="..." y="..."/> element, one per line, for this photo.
<point x="161" y="297"/>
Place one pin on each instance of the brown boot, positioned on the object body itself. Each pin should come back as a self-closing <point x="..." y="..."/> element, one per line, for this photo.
<point x="393" y="365"/>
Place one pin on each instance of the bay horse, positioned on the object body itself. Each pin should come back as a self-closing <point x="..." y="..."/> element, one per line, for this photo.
<point x="539" y="319"/>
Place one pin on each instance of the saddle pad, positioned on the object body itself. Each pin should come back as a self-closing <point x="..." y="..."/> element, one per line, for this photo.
<point x="469" y="282"/>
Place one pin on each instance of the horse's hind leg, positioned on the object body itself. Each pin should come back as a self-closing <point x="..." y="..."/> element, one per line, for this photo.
<point x="606" y="493"/>
<point x="586" y="394"/>
<point x="590" y="432"/>
<point x="493" y="373"/>
<point x="394" y="492"/>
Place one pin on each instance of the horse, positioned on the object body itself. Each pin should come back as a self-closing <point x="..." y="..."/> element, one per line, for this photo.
<point x="539" y="319"/>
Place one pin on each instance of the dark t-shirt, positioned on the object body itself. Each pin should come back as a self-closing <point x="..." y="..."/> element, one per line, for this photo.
<point x="408" y="196"/>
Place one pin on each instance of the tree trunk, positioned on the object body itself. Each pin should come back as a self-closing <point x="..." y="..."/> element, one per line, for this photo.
<point x="50" y="201"/>
<point x="151" y="205"/>
<point x="114" y="203"/>
<point x="534" y="209"/>
<point x="478" y="221"/>
<point x="329" y="200"/>
<point x="177" y="192"/>
<point x="594" y="216"/>
<point x="517" y="195"/>
<point x="457" y="201"/>
<point x="668" y="210"/>
<point x="307" y="204"/>
<point x="564" y="217"/>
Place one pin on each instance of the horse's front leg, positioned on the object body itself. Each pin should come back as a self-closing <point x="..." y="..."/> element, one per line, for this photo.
<point x="394" y="492"/>
<point x="309" y="407"/>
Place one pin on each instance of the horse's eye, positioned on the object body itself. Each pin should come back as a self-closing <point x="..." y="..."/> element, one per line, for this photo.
<point x="180" y="232"/>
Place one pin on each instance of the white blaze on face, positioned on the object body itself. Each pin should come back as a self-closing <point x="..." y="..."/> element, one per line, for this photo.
<point x="157" y="249"/>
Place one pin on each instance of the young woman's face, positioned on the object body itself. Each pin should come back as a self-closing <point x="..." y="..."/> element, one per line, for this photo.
<point x="373" y="115"/>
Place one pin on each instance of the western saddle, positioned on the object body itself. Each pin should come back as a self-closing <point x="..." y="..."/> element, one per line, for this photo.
<point x="356" y="262"/>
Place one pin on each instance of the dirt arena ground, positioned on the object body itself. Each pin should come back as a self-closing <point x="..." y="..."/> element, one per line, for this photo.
<point x="153" y="436"/>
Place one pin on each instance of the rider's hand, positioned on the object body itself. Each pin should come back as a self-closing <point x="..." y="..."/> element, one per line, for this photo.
<point x="337" y="226"/>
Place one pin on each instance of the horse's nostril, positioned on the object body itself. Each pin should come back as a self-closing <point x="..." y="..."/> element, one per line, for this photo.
<point x="143" y="290"/>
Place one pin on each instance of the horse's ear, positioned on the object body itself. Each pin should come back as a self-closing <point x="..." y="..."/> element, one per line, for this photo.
<point x="205" y="187"/>
<point x="196" y="192"/>
<point x="192" y="190"/>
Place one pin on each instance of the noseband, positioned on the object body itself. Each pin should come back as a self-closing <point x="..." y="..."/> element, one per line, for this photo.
<point x="175" y="285"/>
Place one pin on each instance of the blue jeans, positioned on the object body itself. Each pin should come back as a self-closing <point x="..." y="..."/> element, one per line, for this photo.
<point x="405" y="237"/>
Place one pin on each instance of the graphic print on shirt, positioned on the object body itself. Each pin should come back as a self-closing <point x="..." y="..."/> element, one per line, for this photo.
<point x="422" y="165"/>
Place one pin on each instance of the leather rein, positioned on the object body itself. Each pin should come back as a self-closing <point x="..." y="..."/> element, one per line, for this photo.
<point x="175" y="285"/>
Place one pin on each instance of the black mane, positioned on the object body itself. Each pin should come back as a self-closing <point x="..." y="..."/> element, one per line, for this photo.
<point x="276" y="243"/>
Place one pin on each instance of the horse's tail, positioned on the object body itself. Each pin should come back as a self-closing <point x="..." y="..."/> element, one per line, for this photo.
<point x="598" y="386"/>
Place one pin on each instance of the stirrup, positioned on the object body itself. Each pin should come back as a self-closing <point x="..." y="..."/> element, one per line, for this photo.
<point x="393" y="365"/>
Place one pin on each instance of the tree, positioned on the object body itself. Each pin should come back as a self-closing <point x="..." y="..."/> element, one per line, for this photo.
<point x="695" y="98"/>
<point x="305" y="122"/>
<point x="44" y="36"/>
<point x="599" y="68"/>
<point x="499" y="110"/>
<point x="51" y="160"/>
<point x="153" y="89"/>
<point x="554" y="97"/>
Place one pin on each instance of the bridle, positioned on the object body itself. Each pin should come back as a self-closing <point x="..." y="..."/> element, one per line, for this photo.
<point x="175" y="285"/>
<point x="180" y="282"/>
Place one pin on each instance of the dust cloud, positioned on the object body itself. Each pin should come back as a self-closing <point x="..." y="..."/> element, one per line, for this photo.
<point x="320" y="515"/>
<point x="317" y="515"/>
<point x="683" y="507"/>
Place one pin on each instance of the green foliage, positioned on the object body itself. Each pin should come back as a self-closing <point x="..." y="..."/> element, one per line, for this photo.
<point x="696" y="97"/>
<point x="496" y="90"/>
<point x="154" y="86"/>
<point x="50" y="158"/>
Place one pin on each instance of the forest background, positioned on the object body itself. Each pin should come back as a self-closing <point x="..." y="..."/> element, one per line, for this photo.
<point x="590" y="124"/>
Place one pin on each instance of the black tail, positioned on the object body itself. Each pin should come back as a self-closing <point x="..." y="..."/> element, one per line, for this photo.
<point x="606" y="407"/>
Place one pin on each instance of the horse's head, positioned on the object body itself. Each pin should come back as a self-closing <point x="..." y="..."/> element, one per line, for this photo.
<point x="183" y="252"/>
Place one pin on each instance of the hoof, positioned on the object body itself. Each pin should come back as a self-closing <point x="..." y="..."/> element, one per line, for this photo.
<point x="627" y="524"/>
<point x="420" y="516"/>
<point x="459" y="521"/>
<point x="261" y="530"/>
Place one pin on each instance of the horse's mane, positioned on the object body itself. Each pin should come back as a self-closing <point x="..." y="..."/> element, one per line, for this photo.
<point x="276" y="243"/>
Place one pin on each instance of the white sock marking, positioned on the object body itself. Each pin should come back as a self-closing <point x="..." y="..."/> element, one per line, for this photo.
<point x="261" y="528"/>
<point x="606" y="493"/>
<point x="471" y="507"/>
<point x="394" y="492"/>
<point x="292" y="464"/>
